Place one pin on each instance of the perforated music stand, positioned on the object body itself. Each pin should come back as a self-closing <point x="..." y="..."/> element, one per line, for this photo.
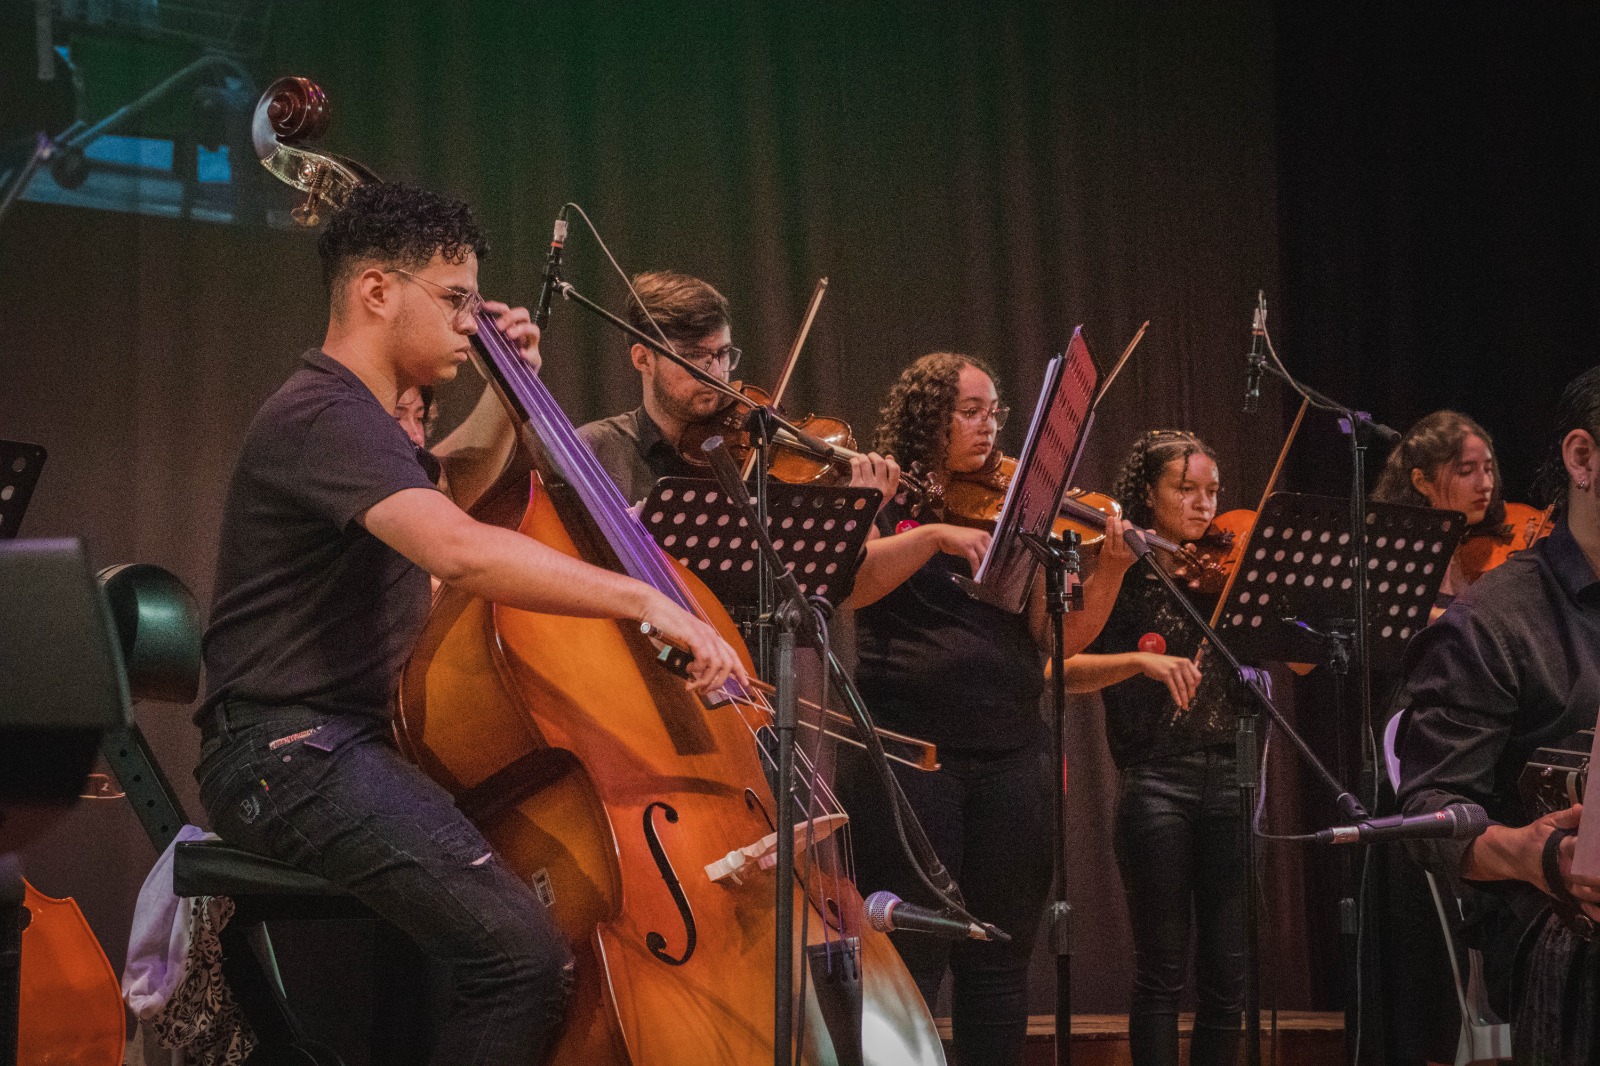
<point x="20" y="463"/>
<point x="1297" y="574"/>
<point x="819" y="533"/>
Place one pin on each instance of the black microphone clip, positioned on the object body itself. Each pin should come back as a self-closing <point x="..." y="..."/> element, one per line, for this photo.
<point x="1256" y="361"/>
<point x="552" y="271"/>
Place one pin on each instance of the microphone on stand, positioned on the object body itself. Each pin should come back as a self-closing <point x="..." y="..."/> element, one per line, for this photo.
<point x="1252" y="378"/>
<point x="1458" y="821"/>
<point x="552" y="271"/>
<point x="887" y="912"/>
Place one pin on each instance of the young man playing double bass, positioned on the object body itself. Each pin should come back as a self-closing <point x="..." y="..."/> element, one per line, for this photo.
<point x="330" y="530"/>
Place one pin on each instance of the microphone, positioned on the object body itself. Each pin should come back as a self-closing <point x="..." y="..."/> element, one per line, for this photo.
<point x="1458" y="821"/>
<point x="887" y="912"/>
<point x="1252" y="377"/>
<point x="552" y="271"/>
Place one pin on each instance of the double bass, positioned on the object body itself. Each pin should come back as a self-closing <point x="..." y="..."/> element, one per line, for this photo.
<point x="609" y="788"/>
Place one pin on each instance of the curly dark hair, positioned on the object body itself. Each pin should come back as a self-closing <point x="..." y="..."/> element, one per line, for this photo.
<point x="1579" y="409"/>
<point x="685" y="307"/>
<point x="914" y="426"/>
<point x="1433" y="442"/>
<point x="1143" y="467"/>
<point x="394" y="224"/>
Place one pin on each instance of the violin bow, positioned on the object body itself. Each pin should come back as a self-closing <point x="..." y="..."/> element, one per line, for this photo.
<point x="1122" y="361"/>
<point x="791" y="362"/>
<point x="1272" y="481"/>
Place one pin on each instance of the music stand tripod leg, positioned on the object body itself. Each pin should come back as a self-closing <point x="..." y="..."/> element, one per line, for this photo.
<point x="1059" y="557"/>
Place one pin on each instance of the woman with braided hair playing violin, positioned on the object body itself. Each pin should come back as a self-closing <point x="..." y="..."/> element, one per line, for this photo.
<point x="1170" y="725"/>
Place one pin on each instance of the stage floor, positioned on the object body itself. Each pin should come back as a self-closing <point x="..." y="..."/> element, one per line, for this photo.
<point x="1305" y="1038"/>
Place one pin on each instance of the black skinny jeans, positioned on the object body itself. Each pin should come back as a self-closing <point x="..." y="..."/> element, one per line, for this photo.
<point x="989" y="819"/>
<point x="330" y="794"/>
<point x="1180" y="854"/>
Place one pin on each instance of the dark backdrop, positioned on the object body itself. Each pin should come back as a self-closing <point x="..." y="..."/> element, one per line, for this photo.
<point x="971" y="177"/>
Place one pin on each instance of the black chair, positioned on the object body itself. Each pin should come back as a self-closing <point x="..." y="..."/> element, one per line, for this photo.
<point x="158" y="623"/>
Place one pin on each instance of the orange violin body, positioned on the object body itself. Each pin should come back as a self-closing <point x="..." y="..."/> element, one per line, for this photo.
<point x="1479" y="554"/>
<point x="975" y="500"/>
<point x="786" y="463"/>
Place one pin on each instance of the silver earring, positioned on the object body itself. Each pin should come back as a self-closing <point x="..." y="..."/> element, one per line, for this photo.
<point x="1583" y="485"/>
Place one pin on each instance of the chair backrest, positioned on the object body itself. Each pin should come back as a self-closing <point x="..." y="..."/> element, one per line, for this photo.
<point x="1483" y="1037"/>
<point x="158" y="626"/>
<point x="1391" y="758"/>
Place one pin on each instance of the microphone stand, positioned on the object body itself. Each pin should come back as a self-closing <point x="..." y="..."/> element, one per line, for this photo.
<point x="1059" y="557"/>
<point x="1360" y="426"/>
<point x="1248" y="782"/>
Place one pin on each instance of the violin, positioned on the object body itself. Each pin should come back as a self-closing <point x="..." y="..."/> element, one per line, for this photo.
<point x="1210" y="561"/>
<point x="975" y="500"/>
<point x="1481" y="552"/>
<point x="792" y="460"/>
<point x="621" y="798"/>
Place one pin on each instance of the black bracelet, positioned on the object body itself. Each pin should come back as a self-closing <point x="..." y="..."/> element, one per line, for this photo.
<point x="1563" y="902"/>
<point x="1550" y="860"/>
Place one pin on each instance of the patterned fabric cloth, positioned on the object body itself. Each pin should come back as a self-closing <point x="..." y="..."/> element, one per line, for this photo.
<point x="201" y="1017"/>
<point x="173" y="979"/>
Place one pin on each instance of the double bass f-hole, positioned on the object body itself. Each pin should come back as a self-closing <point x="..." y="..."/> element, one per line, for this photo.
<point x="655" y="941"/>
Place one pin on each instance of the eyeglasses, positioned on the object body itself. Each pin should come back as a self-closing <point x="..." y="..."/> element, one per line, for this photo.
<point x="973" y="415"/>
<point x="461" y="301"/>
<point x="704" y="359"/>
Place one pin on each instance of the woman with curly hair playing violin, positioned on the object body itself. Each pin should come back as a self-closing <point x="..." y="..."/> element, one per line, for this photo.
<point x="938" y="664"/>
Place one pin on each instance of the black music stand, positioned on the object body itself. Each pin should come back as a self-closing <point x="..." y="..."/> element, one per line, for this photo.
<point x="62" y="686"/>
<point x="819" y="533"/>
<point x="20" y="463"/>
<point x="1293" y="600"/>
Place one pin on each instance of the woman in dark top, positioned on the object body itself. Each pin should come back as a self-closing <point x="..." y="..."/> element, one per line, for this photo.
<point x="938" y="664"/>
<point x="1446" y="460"/>
<point x="1170" y="725"/>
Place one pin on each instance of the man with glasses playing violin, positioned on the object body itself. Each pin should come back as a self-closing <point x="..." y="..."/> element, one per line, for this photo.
<point x="330" y="531"/>
<point x="639" y="447"/>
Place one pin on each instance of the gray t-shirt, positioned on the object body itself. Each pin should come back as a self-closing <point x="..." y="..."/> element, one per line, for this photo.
<point x="310" y="609"/>
<point x="631" y="449"/>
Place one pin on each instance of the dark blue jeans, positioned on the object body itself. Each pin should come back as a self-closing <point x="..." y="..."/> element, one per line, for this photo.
<point x="330" y="794"/>
<point x="1179" y="850"/>
<point x="989" y="819"/>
